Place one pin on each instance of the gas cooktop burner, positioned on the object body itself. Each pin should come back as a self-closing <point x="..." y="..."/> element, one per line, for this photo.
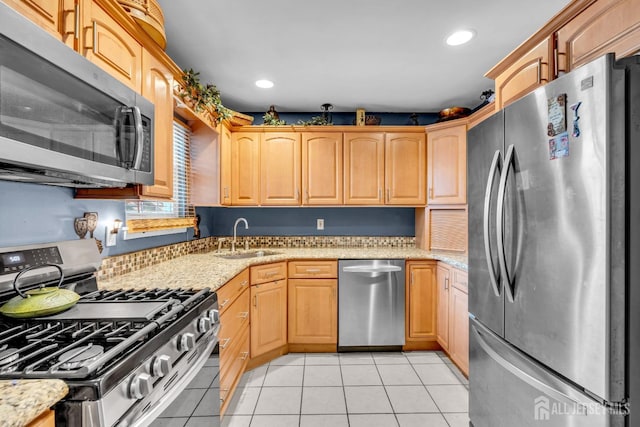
<point x="81" y="356"/>
<point x="8" y="355"/>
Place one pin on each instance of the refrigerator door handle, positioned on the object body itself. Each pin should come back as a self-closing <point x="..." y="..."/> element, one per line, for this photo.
<point x="495" y="167"/>
<point x="502" y="256"/>
<point x="536" y="377"/>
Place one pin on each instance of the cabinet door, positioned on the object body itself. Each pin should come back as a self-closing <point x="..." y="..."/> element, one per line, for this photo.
<point x="225" y="166"/>
<point x="313" y="311"/>
<point x="524" y="75"/>
<point x="245" y="169"/>
<point x="421" y="301"/>
<point x="442" y="280"/>
<point x="280" y="169"/>
<point x="459" y="329"/>
<point x="268" y="317"/>
<point x="363" y="168"/>
<point x="58" y="17"/>
<point x="322" y="168"/>
<point x="158" y="88"/>
<point x="447" y="166"/>
<point x="111" y="48"/>
<point x="605" y="26"/>
<point x="405" y="169"/>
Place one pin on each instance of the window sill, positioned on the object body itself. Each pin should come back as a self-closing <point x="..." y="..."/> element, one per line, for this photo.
<point x="156" y="224"/>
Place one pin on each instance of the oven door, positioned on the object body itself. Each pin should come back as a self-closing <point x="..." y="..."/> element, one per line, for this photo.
<point x="62" y="116"/>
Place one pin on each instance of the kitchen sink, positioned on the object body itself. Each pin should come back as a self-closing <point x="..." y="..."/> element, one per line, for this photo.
<point x="252" y="254"/>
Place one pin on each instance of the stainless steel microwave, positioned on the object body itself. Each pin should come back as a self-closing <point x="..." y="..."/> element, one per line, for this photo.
<point x="63" y="120"/>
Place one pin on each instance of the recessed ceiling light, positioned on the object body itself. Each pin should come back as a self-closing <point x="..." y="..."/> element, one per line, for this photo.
<point x="264" y="84"/>
<point x="460" y="37"/>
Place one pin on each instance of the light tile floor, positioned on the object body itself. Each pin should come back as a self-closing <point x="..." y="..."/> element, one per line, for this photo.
<point x="413" y="389"/>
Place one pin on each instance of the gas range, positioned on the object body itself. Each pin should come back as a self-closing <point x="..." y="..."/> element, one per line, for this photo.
<point x="124" y="354"/>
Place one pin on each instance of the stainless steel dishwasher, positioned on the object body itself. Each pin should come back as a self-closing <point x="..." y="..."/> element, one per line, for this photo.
<point x="370" y="304"/>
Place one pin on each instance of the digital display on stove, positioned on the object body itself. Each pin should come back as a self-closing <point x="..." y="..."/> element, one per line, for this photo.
<point x="13" y="262"/>
<point x="13" y="258"/>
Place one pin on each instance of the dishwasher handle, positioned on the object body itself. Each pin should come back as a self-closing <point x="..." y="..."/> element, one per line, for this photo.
<point x="371" y="269"/>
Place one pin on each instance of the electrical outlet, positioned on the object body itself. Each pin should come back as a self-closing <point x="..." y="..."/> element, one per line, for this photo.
<point x="320" y="224"/>
<point x="111" y="238"/>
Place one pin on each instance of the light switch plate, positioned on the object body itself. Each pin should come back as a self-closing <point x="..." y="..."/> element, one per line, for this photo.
<point x="110" y="237"/>
<point x="320" y="224"/>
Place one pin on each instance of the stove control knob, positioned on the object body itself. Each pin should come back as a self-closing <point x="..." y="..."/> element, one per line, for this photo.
<point x="214" y="316"/>
<point x="186" y="342"/>
<point x="161" y="365"/>
<point x="140" y="386"/>
<point x="204" y="324"/>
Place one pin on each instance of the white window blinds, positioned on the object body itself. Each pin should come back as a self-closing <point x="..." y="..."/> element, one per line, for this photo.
<point x="147" y="214"/>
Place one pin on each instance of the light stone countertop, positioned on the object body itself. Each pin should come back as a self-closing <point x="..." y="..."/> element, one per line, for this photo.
<point x="201" y="270"/>
<point x="22" y="401"/>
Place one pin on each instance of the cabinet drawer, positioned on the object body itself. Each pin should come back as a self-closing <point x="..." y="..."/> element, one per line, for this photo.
<point x="460" y="280"/>
<point x="232" y="321"/>
<point x="313" y="269"/>
<point x="232" y="365"/>
<point x="228" y="293"/>
<point x="268" y="272"/>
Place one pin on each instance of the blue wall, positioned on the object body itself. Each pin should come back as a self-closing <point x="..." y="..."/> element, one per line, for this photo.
<point x="32" y="213"/>
<point x="338" y="119"/>
<point x="302" y="221"/>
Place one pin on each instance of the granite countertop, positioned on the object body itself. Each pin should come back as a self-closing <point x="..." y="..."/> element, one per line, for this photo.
<point x="200" y="270"/>
<point x="22" y="401"/>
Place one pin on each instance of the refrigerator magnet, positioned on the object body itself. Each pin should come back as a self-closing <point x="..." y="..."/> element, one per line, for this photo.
<point x="557" y="113"/>
<point x="559" y="146"/>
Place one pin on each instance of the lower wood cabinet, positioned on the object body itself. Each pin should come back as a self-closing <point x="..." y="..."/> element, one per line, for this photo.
<point x="233" y="361"/>
<point x="268" y="317"/>
<point x="453" y="314"/>
<point x="442" y="280"/>
<point x="420" y="310"/>
<point x="459" y="321"/>
<point x="46" y="419"/>
<point x="313" y="311"/>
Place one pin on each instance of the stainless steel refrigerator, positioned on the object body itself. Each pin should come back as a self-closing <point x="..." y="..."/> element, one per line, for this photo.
<point x="554" y="254"/>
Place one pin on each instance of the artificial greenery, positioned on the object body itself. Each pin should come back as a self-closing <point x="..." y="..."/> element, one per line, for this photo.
<point x="315" y="121"/>
<point x="203" y="97"/>
<point x="271" y="120"/>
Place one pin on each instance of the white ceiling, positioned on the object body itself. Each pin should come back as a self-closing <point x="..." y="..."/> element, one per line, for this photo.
<point x="381" y="55"/>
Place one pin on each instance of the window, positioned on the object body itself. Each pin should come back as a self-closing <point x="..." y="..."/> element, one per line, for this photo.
<point x="148" y="215"/>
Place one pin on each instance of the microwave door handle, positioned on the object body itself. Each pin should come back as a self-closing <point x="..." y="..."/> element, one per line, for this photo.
<point x="139" y="144"/>
<point x="502" y="256"/>
<point x="120" y="135"/>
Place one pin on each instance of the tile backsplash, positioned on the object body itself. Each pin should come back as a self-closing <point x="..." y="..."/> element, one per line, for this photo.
<point x="126" y="263"/>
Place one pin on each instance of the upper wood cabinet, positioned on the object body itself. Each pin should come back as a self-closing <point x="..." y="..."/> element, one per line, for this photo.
<point x="245" y="169"/>
<point x="405" y="168"/>
<point x="528" y="72"/>
<point x="447" y="165"/>
<point x="158" y="88"/>
<point x="605" y="26"/>
<point x="109" y="46"/>
<point x="280" y="169"/>
<point x="58" y="17"/>
<point x="421" y="298"/>
<point x="363" y="168"/>
<point x="322" y="182"/>
<point x="225" y="165"/>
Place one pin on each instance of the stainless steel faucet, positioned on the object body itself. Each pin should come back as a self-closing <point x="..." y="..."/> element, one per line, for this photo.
<point x="235" y="228"/>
